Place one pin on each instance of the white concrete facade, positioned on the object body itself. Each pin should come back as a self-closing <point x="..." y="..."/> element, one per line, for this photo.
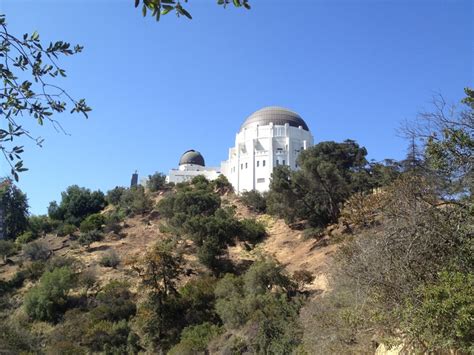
<point x="258" y="150"/>
<point x="270" y="137"/>
<point x="186" y="172"/>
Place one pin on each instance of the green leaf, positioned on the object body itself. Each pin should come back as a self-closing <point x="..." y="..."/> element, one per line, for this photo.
<point x="144" y="10"/>
<point x="137" y="2"/>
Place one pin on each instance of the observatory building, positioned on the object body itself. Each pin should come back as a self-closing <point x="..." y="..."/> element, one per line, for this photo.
<point x="192" y="164"/>
<point x="269" y="137"/>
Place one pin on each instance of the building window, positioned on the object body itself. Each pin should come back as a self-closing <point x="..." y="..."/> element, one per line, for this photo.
<point x="283" y="162"/>
<point x="260" y="180"/>
<point x="241" y="166"/>
<point x="278" y="162"/>
<point x="245" y="165"/>
<point x="258" y="163"/>
<point x="263" y="162"/>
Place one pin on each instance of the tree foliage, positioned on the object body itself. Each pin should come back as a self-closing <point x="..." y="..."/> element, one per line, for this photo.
<point x="76" y="204"/>
<point x="162" y="7"/>
<point x="48" y="299"/>
<point x="330" y="172"/>
<point x="31" y="95"/>
<point x="156" y="181"/>
<point x="14" y="205"/>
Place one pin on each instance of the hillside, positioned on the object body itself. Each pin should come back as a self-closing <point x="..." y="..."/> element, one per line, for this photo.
<point x="139" y="233"/>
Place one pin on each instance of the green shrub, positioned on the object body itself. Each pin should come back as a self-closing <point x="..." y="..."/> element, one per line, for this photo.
<point x="252" y="231"/>
<point x="66" y="229"/>
<point x="156" y="182"/>
<point x="443" y="316"/>
<point x="313" y="233"/>
<point x="92" y="222"/>
<point x="7" y="248"/>
<point x="86" y="239"/>
<point x="110" y="259"/>
<point x="35" y="269"/>
<point x="135" y="201"/>
<point x="114" y="303"/>
<point x="194" y="339"/>
<point x="114" y="196"/>
<point x="40" y="225"/>
<point x="26" y="237"/>
<point x="254" y="200"/>
<point x="47" y="300"/>
<point x="37" y="250"/>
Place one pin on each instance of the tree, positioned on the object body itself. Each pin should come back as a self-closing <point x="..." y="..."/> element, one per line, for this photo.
<point x="31" y="95"/>
<point x="14" y="204"/>
<point x="47" y="300"/>
<point x="113" y="196"/>
<point x="76" y="204"/>
<point x="163" y="7"/>
<point x="330" y="172"/>
<point x="156" y="181"/>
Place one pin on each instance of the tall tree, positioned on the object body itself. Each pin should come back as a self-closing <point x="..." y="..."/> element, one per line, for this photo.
<point x="14" y="204"/>
<point x="329" y="173"/>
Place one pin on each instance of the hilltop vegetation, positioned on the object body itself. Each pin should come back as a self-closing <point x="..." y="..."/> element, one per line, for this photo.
<point x="371" y="253"/>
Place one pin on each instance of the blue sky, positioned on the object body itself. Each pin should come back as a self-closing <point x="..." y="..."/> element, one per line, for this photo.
<point x="352" y="69"/>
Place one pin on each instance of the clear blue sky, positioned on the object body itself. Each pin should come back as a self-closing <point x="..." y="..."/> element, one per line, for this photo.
<point x="352" y="69"/>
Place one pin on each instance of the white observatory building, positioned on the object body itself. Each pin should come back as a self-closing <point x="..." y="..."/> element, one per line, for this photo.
<point x="269" y="137"/>
<point x="191" y="164"/>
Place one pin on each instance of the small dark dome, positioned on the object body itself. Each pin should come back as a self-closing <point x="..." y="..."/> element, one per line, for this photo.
<point x="275" y="115"/>
<point x="192" y="157"/>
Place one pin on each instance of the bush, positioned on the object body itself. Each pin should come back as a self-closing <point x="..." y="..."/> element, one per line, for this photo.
<point x="37" y="250"/>
<point x="112" y="222"/>
<point x="254" y="200"/>
<point x="47" y="300"/>
<point x="156" y="182"/>
<point x="443" y="315"/>
<point x="194" y="339"/>
<point x="92" y="222"/>
<point x="26" y="237"/>
<point x="115" y="195"/>
<point x="35" y="269"/>
<point x="114" y="303"/>
<point x="66" y="229"/>
<point x="7" y="248"/>
<point x="252" y="231"/>
<point x="86" y="239"/>
<point x="135" y="201"/>
<point x="110" y="259"/>
<point x="40" y="225"/>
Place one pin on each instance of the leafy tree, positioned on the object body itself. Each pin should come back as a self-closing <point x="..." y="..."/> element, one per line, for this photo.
<point x="251" y="231"/>
<point x="27" y="66"/>
<point x="330" y="172"/>
<point x="162" y="7"/>
<point x="159" y="271"/>
<point x="48" y="299"/>
<point x="114" y="196"/>
<point x="156" y="182"/>
<point x="76" y="204"/>
<point x="14" y="205"/>
<point x="135" y="201"/>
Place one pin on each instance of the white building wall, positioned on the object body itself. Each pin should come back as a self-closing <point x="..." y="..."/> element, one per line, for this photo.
<point x="187" y="172"/>
<point x="258" y="150"/>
